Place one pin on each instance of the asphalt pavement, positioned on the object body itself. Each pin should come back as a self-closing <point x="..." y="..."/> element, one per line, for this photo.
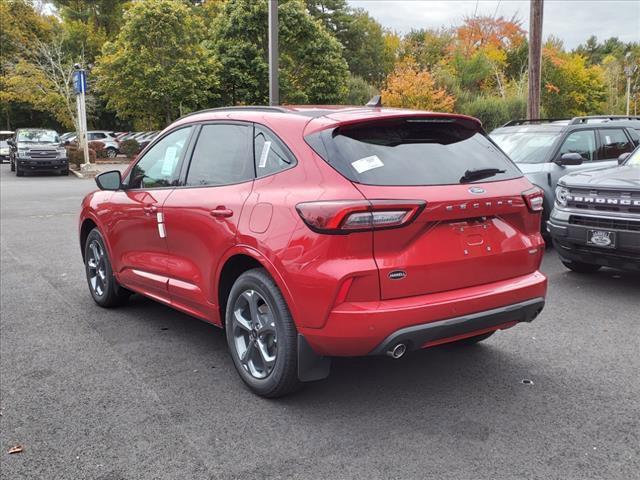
<point x="144" y="392"/>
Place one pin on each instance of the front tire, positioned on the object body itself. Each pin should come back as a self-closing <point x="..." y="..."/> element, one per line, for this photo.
<point x="104" y="289"/>
<point x="112" y="152"/>
<point x="19" y="171"/>
<point x="581" y="267"/>
<point x="261" y="335"/>
<point x="13" y="166"/>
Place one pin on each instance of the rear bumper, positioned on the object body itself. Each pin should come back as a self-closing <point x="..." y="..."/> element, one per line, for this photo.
<point x="365" y="328"/>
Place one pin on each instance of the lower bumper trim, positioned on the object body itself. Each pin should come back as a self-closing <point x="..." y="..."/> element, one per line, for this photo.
<point x="418" y="335"/>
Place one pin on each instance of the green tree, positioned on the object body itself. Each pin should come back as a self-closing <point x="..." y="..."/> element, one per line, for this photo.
<point x="362" y="38"/>
<point x="157" y="68"/>
<point x="312" y="69"/>
<point x="569" y="86"/>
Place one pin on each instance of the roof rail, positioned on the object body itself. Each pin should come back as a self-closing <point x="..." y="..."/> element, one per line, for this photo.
<point x="259" y="108"/>
<point x="586" y="118"/>
<point x="527" y="121"/>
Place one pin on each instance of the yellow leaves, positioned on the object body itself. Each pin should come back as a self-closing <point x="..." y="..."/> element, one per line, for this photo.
<point x="409" y="87"/>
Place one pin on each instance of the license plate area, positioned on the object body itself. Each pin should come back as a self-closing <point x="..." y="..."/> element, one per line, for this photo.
<point x="601" y="238"/>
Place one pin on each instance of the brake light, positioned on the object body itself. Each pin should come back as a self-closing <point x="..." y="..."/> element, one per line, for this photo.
<point x="346" y="216"/>
<point x="534" y="198"/>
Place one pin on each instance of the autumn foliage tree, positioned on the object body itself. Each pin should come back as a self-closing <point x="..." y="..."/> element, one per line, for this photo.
<point x="410" y="87"/>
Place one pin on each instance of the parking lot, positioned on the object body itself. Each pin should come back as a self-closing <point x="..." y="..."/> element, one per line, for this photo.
<point x="145" y="392"/>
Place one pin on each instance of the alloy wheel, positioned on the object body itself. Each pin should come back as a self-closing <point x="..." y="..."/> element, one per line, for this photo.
<point x="254" y="334"/>
<point x="97" y="268"/>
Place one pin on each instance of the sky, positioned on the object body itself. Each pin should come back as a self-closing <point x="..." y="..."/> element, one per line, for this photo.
<point x="573" y="21"/>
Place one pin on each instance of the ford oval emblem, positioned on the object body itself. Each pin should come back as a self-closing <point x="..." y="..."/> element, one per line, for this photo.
<point x="397" y="275"/>
<point x="476" y="190"/>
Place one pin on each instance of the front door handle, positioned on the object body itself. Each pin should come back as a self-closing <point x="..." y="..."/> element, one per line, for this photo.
<point x="221" y="212"/>
<point x="150" y="209"/>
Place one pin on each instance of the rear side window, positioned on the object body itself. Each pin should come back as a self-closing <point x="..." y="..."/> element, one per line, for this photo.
<point x="221" y="156"/>
<point x="271" y="156"/>
<point x="613" y="143"/>
<point x="411" y="151"/>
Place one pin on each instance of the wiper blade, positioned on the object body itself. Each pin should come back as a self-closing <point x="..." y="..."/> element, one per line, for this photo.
<point x="480" y="173"/>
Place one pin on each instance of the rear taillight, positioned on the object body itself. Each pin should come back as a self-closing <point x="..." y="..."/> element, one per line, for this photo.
<point x="534" y="198"/>
<point x="346" y="216"/>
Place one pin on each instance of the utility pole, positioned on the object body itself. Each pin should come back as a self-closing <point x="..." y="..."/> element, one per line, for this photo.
<point x="629" y="69"/>
<point x="80" y="83"/>
<point x="274" y="88"/>
<point x="535" y="58"/>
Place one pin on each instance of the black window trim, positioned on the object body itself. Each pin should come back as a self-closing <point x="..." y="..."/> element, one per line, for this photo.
<point x="175" y="179"/>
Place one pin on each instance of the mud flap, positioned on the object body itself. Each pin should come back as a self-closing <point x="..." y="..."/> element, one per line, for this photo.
<point x="311" y="366"/>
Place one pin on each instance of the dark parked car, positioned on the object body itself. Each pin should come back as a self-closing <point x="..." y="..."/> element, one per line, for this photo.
<point x="316" y="232"/>
<point x="596" y="219"/>
<point x="37" y="150"/>
<point x="546" y="150"/>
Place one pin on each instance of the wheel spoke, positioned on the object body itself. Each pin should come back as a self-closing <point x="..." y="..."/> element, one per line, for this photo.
<point x="267" y="326"/>
<point x="241" y="321"/>
<point x="246" y="355"/>
<point x="251" y="296"/>
<point x="267" y="360"/>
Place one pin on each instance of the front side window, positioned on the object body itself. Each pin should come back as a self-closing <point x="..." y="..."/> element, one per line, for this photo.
<point x="221" y="156"/>
<point x="158" y="167"/>
<point x="271" y="156"/>
<point x="582" y="142"/>
<point x="613" y="143"/>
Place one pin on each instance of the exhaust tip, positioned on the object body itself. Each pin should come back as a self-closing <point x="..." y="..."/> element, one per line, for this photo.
<point x="398" y="351"/>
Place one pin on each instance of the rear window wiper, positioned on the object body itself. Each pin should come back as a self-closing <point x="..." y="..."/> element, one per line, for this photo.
<point x="480" y="173"/>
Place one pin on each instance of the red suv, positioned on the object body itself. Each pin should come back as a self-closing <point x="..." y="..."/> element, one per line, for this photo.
<point x="317" y="232"/>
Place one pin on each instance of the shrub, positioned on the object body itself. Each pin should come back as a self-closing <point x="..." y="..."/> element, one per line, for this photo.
<point x="492" y="111"/>
<point x="359" y="92"/>
<point x="76" y="155"/>
<point x="129" y="148"/>
<point x="99" y="148"/>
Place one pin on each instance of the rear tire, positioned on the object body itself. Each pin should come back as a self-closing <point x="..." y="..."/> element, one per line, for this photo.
<point x="13" y="166"/>
<point x="112" y="152"/>
<point x="103" y="286"/>
<point x="581" y="267"/>
<point x="261" y="335"/>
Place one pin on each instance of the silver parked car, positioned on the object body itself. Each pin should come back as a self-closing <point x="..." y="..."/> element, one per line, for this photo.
<point x="546" y="150"/>
<point x="108" y="138"/>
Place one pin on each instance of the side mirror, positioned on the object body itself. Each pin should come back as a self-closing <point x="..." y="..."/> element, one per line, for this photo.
<point x="570" y="159"/>
<point x="110" y="180"/>
<point x="67" y="142"/>
<point x="623" y="157"/>
<point x="11" y="143"/>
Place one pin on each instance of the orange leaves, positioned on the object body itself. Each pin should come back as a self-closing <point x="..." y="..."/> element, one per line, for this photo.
<point x="551" y="88"/>
<point x="409" y="87"/>
<point x="486" y="31"/>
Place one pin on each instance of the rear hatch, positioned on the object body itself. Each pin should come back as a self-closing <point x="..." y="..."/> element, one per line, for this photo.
<point x="476" y="226"/>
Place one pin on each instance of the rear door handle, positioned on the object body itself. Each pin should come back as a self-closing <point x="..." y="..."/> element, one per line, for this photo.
<point x="221" y="212"/>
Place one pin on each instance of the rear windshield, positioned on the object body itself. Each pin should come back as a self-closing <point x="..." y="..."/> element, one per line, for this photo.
<point x="411" y="151"/>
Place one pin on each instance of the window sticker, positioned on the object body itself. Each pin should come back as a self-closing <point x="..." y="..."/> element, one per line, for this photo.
<point x="607" y="140"/>
<point x="367" y="163"/>
<point x="264" y="155"/>
<point x="169" y="161"/>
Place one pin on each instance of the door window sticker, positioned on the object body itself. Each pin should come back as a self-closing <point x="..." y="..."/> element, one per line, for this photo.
<point x="169" y="161"/>
<point x="265" y="154"/>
